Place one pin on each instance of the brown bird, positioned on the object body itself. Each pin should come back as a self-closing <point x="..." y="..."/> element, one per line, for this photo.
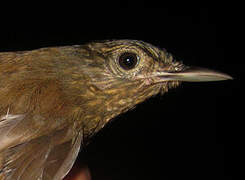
<point x="53" y="99"/>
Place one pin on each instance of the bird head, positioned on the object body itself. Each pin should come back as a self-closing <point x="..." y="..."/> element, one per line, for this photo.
<point x="126" y="72"/>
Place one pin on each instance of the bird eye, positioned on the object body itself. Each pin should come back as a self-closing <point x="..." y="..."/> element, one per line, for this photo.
<point x="128" y="60"/>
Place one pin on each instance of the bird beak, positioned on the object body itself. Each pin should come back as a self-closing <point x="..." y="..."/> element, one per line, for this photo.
<point x="193" y="74"/>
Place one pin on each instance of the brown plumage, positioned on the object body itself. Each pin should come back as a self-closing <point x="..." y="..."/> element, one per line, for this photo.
<point x="52" y="99"/>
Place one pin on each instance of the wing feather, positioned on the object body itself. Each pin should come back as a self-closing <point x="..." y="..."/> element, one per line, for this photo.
<point x="49" y="157"/>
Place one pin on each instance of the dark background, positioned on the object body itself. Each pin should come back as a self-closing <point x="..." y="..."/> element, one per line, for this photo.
<point x="191" y="131"/>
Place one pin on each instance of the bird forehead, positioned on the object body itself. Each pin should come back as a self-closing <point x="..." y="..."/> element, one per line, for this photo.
<point x="140" y="46"/>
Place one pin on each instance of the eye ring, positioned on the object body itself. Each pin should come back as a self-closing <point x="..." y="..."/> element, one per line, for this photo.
<point x="128" y="60"/>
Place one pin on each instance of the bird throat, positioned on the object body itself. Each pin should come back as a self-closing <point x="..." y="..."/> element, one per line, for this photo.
<point x="109" y="103"/>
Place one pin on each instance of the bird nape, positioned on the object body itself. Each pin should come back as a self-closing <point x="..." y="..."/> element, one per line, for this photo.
<point x="53" y="99"/>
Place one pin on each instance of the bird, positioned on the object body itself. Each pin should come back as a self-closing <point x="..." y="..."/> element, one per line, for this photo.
<point x="54" y="99"/>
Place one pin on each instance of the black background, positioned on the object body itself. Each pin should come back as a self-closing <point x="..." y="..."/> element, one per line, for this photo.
<point x="191" y="131"/>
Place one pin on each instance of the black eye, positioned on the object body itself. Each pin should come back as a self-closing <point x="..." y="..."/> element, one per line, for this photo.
<point x="128" y="60"/>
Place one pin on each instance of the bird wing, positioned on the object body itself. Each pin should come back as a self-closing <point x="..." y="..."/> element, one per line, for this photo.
<point x="47" y="157"/>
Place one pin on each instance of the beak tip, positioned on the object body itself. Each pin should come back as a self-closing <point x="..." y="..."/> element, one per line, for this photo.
<point x="229" y="77"/>
<point x="225" y="77"/>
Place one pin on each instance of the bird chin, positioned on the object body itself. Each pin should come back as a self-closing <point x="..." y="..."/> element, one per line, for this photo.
<point x="165" y="86"/>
